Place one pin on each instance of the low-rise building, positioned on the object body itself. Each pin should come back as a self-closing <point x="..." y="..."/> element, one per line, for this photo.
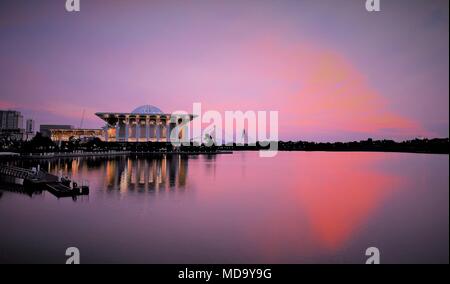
<point x="58" y="135"/>
<point x="45" y="129"/>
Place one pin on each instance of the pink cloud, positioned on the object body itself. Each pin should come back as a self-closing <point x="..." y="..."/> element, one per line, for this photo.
<point x="331" y="93"/>
<point x="6" y="105"/>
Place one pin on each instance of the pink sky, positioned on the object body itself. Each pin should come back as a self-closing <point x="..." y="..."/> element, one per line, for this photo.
<point x="331" y="69"/>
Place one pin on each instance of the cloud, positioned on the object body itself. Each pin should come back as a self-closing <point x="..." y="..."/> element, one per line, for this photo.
<point x="331" y="94"/>
<point x="317" y="91"/>
<point x="6" y="105"/>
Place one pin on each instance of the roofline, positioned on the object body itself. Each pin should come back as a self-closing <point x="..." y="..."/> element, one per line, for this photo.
<point x="130" y="113"/>
<point x="75" y="129"/>
<point x="140" y="114"/>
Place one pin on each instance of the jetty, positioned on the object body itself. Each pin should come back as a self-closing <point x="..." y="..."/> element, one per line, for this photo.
<point x="40" y="180"/>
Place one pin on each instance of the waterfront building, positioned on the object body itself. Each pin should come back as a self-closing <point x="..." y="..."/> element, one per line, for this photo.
<point x="58" y="135"/>
<point x="12" y="134"/>
<point x="11" y="125"/>
<point x="45" y="129"/>
<point x="146" y="123"/>
<point x="11" y="119"/>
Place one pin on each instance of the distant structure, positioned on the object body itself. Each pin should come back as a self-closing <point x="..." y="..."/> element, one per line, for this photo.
<point x="29" y="129"/>
<point x="11" y="125"/>
<point x="11" y="119"/>
<point x="30" y="126"/>
<point x="60" y="133"/>
<point x="83" y="134"/>
<point x="45" y="129"/>
<point x="146" y="123"/>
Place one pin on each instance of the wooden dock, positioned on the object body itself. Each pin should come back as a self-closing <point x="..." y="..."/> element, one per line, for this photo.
<point x="59" y="190"/>
<point x="28" y="175"/>
<point x="41" y="180"/>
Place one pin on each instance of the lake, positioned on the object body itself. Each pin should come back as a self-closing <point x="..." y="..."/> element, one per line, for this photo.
<point x="298" y="207"/>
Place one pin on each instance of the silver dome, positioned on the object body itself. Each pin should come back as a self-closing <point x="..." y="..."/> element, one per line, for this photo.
<point x="147" y="109"/>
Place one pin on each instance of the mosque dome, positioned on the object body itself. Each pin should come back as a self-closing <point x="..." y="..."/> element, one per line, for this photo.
<point x="147" y="109"/>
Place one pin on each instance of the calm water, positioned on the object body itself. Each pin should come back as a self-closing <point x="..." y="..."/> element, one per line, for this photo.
<point x="296" y="208"/>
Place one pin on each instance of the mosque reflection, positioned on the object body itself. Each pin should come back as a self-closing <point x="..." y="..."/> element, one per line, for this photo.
<point x="160" y="173"/>
<point x="165" y="173"/>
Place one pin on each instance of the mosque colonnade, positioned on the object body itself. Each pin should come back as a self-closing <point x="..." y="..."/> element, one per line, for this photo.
<point x="144" y="124"/>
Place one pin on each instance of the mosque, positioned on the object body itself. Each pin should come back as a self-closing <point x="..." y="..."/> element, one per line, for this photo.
<point x="146" y="123"/>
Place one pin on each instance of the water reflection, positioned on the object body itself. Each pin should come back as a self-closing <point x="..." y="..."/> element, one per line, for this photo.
<point x="18" y="189"/>
<point x="335" y="196"/>
<point x="161" y="174"/>
<point x="298" y="207"/>
<point x="143" y="174"/>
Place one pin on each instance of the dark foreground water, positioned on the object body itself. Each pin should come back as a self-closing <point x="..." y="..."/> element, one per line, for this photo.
<point x="295" y="208"/>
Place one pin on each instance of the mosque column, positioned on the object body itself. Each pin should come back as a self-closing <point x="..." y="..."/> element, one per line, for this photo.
<point x="168" y="130"/>
<point x="127" y="128"/>
<point x="138" y="128"/>
<point x="147" y="128"/>
<point x="151" y="130"/>
<point x="151" y="127"/>
<point x="158" y="128"/>
<point x="163" y="130"/>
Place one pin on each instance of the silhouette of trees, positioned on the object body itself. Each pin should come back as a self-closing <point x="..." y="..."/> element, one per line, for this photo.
<point x="44" y="144"/>
<point x="39" y="143"/>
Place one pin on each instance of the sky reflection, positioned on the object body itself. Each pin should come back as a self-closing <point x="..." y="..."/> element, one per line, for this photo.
<point x="299" y="207"/>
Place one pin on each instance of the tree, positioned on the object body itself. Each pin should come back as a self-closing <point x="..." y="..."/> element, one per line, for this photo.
<point x="39" y="142"/>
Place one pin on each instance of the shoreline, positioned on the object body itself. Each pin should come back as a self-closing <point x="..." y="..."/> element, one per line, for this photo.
<point x="55" y="155"/>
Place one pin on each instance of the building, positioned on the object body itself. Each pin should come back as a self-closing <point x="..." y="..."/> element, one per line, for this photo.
<point x="12" y="134"/>
<point x="76" y="133"/>
<point x="11" y="125"/>
<point x="29" y="126"/>
<point x="45" y="129"/>
<point x="11" y="119"/>
<point x="29" y="129"/>
<point x="146" y="123"/>
<point x="60" y="133"/>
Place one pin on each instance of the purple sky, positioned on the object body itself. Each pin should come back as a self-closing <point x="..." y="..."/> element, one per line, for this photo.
<point x="331" y="69"/>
